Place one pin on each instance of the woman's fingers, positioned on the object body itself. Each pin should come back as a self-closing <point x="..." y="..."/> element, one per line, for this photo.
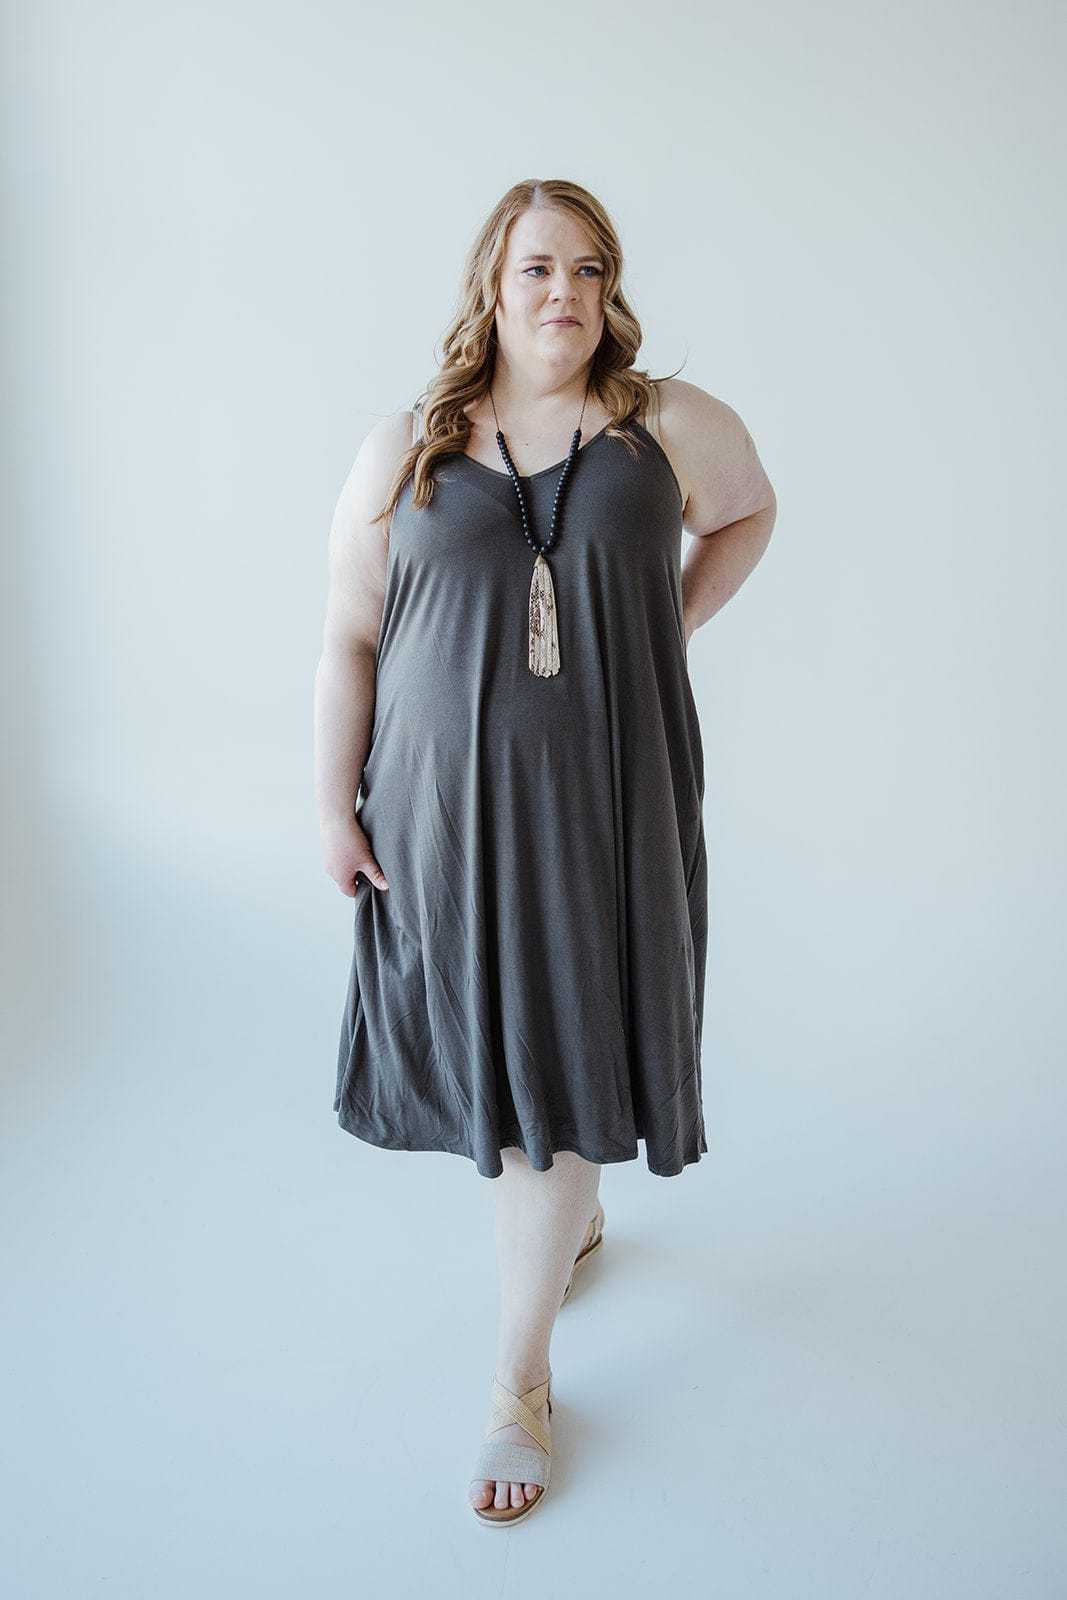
<point x="373" y="873"/>
<point x="347" y="853"/>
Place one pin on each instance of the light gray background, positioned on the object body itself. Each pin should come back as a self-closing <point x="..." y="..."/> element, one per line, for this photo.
<point x="244" y="1353"/>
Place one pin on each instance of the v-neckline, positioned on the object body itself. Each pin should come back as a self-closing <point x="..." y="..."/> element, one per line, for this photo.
<point x="527" y="477"/>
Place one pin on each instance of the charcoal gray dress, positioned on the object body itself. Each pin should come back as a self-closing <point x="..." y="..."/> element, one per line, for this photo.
<point x="534" y="975"/>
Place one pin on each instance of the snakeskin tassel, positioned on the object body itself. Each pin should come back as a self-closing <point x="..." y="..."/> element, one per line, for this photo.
<point x="544" y="639"/>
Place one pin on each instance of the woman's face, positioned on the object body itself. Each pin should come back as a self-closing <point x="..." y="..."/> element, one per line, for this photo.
<point x="548" y="310"/>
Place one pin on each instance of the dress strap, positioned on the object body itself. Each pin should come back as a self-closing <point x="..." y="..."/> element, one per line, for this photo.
<point x="416" y="422"/>
<point x="651" y="417"/>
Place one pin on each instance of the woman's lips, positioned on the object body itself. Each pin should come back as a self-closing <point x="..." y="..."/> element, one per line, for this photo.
<point x="563" y="322"/>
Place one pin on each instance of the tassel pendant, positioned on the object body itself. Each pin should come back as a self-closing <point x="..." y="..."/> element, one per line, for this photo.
<point x="544" y="639"/>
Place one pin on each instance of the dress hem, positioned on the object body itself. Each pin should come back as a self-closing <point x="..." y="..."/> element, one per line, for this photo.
<point x="460" y="1150"/>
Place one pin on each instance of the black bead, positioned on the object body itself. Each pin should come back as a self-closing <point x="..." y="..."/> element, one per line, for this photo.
<point x="557" y="499"/>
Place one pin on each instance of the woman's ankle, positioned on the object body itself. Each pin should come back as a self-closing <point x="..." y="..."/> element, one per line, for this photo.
<point x="521" y="1377"/>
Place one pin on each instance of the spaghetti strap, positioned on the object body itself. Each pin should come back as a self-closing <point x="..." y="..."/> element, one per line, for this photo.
<point x="416" y="422"/>
<point x="651" y="420"/>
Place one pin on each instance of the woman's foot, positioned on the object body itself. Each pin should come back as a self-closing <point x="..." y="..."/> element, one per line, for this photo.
<point x="484" y="1492"/>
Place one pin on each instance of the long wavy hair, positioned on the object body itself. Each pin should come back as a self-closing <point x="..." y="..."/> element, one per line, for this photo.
<point x="469" y="344"/>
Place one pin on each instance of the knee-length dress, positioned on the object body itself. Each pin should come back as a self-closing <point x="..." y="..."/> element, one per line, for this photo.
<point x="534" y="975"/>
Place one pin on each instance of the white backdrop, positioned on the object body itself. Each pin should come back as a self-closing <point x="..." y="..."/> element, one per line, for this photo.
<point x="825" y="1361"/>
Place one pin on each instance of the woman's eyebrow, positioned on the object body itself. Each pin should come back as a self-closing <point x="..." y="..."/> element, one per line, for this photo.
<point x="549" y="258"/>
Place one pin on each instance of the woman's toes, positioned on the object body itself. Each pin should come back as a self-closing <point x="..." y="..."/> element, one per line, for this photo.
<point x="518" y="1498"/>
<point x="502" y="1498"/>
<point x="481" y="1494"/>
<point x="531" y="1490"/>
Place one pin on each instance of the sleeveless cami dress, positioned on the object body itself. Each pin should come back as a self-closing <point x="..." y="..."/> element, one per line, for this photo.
<point x="534" y="975"/>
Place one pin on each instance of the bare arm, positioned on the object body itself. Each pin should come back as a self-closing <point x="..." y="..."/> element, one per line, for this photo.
<point x="730" y="506"/>
<point x="345" y="676"/>
<point x="344" y="713"/>
<point x="715" y="568"/>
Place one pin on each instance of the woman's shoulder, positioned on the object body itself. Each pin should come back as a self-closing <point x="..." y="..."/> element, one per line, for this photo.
<point x="376" y="462"/>
<point x="712" y="452"/>
<point x="684" y="406"/>
<point x="679" y="410"/>
<point x="694" y="423"/>
<point x="391" y="435"/>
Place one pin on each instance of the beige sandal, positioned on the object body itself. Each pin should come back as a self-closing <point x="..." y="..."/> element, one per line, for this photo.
<point x="594" y="1238"/>
<point x="515" y="1463"/>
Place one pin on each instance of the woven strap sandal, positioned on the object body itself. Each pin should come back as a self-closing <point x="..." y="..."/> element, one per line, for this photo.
<point x="594" y="1238"/>
<point x="515" y="1463"/>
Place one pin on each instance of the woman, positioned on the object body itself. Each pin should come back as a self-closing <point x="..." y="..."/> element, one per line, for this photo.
<point x="504" y="679"/>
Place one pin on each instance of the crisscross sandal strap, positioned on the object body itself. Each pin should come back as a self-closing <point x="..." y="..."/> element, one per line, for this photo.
<point x="508" y="1408"/>
<point x="512" y="1463"/>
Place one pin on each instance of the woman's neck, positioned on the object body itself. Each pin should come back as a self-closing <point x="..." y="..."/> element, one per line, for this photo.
<point x="537" y="400"/>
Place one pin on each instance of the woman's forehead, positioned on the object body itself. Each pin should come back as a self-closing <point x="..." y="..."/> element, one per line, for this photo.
<point x="545" y="233"/>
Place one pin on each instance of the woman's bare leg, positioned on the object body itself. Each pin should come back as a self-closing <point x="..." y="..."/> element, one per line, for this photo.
<point x="540" y="1220"/>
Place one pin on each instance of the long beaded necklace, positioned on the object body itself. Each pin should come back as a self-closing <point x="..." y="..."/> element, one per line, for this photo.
<point x="544" y="635"/>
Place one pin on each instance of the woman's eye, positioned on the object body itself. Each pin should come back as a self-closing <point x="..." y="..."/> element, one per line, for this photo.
<point x="596" y="271"/>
